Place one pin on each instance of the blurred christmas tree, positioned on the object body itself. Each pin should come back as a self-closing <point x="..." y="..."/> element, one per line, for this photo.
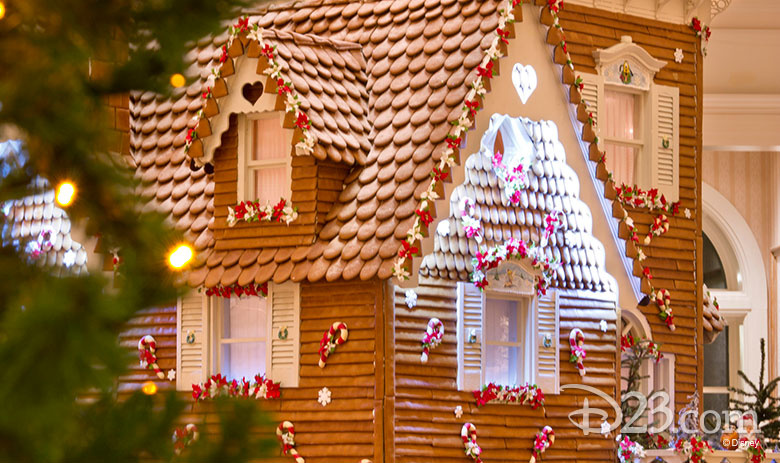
<point x="761" y="400"/>
<point x="60" y="63"/>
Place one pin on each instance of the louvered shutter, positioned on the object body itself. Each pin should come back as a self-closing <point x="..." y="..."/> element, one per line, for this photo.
<point x="284" y="354"/>
<point x="548" y="358"/>
<point x="469" y="319"/>
<point x="191" y="358"/>
<point x="666" y="126"/>
<point x="593" y="95"/>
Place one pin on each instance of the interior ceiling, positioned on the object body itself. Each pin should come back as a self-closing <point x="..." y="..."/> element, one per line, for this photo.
<point x="744" y="49"/>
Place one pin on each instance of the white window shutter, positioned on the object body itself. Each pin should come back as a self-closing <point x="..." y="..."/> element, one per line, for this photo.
<point x="665" y="168"/>
<point x="593" y="96"/>
<point x="469" y="321"/>
<point x="284" y="354"/>
<point x="192" y="317"/>
<point x="548" y="360"/>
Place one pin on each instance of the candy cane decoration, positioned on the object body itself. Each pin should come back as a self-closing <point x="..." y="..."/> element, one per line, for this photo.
<point x="433" y="336"/>
<point x="330" y="340"/>
<point x="147" y="347"/>
<point x="469" y="435"/>
<point x="286" y="434"/>
<point x="183" y="437"/>
<point x="577" y="343"/>
<point x="542" y="442"/>
<point x="664" y="301"/>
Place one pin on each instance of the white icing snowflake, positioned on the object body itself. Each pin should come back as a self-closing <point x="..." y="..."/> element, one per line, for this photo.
<point x="687" y="213"/>
<point x="458" y="412"/>
<point x="678" y="55"/>
<point x="605" y="428"/>
<point x="171" y="375"/>
<point x="69" y="258"/>
<point x="603" y="325"/>
<point x="324" y="398"/>
<point x="411" y="298"/>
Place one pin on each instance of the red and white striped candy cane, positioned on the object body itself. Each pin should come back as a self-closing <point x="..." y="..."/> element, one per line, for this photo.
<point x="335" y="336"/>
<point x="147" y="347"/>
<point x="469" y="435"/>
<point x="286" y="434"/>
<point x="184" y="437"/>
<point x="433" y="336"/>
<point x="577" y="343"/>
<point x="542" y="442"/>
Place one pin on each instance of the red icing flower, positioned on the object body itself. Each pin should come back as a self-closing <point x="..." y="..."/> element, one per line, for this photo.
<point x="224" y="55"/>
<point x="303" y="121"/>
<point x="503" y="35"/>
<point x="425" y="217"/>
<point x="438" y="174"/>
<point x="453" y="142"/>
<point x="282" y="87"/>
<point x="646" y="273"/>
<point x="696" y="24"/>
<point x="407" y="250"/>
<point x="486" y="71"/>
<point x="472" y="106"/>
<point x="242" y="25"/>
<point x="267" y="51"/>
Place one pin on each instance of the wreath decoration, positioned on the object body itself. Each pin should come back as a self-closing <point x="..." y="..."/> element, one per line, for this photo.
<point x="432" y="338"/>
<point x="335" y="336"/>
<point x="543" y="440"/>
<point x="147" y="346"/>
<point x="286" y="434"/>
<point x="469" y="435"/>
<point x="184" y="437"/>
<point x="577" y="343"/>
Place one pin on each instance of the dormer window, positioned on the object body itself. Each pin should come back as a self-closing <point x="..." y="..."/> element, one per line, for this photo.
<point x="636" y="119"/>
<point x="264" y="170"/>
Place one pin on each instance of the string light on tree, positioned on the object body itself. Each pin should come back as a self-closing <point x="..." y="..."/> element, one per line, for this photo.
<point x="180" y="256"/>
<point x="149" y="388"/>
<point x="2" y="10"/>
<point x="66" y="192"/>
<point x="178" y="80"/>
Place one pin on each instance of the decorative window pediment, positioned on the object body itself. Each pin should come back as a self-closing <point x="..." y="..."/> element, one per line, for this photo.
<point x="627" y="64"/>
<point x="513" y="278"/>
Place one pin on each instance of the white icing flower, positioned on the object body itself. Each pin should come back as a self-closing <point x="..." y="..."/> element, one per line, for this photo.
<point x="641" y="255"/>
<point x="678" y="55"/>
<point x="605" y="428"/>
<point x="411" y="298"/>
<point x="458" y="412"/>
<point x="69" y="258"/>
<point x="256" y="35"/>
<point x="231" y="218"/>
<point x="629" y="222"/>
<point x="603" y="325"/>
<point x="171" y="375"/>
<point x="261" y="391"/>
<point x="399" y="271"/>
<point x="687" y="213"/>
<point x="324" y="396"/>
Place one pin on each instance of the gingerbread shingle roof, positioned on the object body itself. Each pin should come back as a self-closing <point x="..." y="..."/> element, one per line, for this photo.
<point x="28" y="217"/>
<point x="419" y="58"/>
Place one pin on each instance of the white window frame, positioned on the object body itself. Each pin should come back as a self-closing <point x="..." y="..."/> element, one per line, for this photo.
<point x="640" y="122"/>
<point x="526" y="356"/>
<point x="220" y="304"/>
<point x="247" y="166"/>
<point x="198" y="316"/>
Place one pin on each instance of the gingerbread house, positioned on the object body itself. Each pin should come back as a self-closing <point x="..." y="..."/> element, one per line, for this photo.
<point x="403" y="213"/>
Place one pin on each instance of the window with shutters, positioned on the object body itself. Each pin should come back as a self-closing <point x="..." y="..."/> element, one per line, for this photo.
<point x="637" y="120"/>
<point x="239" y="337"/>
<point x="264" y="164"/>
<point x="507" y="335"/>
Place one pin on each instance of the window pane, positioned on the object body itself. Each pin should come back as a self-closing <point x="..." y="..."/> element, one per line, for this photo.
<point x="620" y="161"/>
<point x="269" y="141"/>
<point x="243" y="360"/>
<point x="501" y="365"/>
<point x="245" y="317"/>
<point x="716" y="361"/>
<point x="620" y="115"/>
<point x="269" y="184"/>
<point x="501" y="321"/>
<point x="714" y="274"/>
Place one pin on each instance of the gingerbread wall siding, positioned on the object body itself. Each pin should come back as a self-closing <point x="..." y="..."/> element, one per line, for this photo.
<point x="161" y="323"/>
<point x="671" y="257"/>
<point x="426" y="429"/>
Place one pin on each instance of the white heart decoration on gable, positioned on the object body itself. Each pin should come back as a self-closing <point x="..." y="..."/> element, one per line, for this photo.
<point x="524" y="80"/>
